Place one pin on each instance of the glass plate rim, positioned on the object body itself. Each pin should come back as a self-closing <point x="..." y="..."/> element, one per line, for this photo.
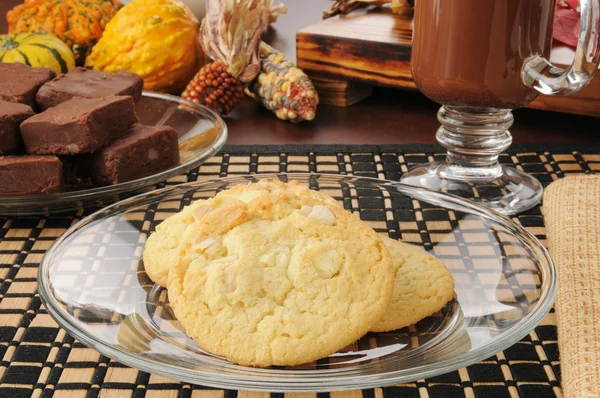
<point x="140" y="182"/>
<point x="310" y="382"/>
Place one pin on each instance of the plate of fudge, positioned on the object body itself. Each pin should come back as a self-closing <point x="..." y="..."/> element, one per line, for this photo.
<point x="88" y="138"/>
<point x="297" y="282"/>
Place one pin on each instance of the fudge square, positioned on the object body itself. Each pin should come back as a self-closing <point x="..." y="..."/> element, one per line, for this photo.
<point x="19" y="82"/>
<point x="83" y="83"/>
<point x="11" y="116"/>
<point x="30" y="175"/>
<point x="144" y="151"/>
<point x="80" y="125"/>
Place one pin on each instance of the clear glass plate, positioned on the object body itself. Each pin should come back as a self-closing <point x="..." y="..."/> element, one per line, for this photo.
<point x="202" y="133"/>
<point x="93" y="283"/>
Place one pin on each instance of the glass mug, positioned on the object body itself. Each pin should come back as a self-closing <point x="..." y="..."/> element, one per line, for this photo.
<point x="480" y="59"/>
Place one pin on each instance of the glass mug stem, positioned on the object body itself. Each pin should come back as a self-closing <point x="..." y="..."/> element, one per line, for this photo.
<point x="475" y="137"/>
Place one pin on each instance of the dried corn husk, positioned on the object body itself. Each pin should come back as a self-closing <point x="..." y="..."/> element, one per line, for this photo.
<point x="347" y="6"/>
<point x="276" y="12"/>
<point x="398" y="6"/>
<point x="231" y="34"/>
<point x="198" y="7"/>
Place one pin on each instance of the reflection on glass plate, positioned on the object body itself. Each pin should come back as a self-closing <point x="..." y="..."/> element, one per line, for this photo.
<point x="93" y="282"/>
<point x="201" y="134"/>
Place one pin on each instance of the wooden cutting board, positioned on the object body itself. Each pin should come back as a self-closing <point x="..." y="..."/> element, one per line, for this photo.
<point x="346" y="56"/>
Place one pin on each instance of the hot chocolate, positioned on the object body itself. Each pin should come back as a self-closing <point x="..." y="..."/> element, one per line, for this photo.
<point x="471" y="52"/>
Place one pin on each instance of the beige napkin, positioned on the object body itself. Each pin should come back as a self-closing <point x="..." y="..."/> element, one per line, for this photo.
<point x="572" y="213"/>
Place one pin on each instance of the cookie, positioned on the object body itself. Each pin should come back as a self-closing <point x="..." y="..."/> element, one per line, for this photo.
<point x="422" y="286"/>
<point x="283" y="277"/>
<point x="161" y="251"/>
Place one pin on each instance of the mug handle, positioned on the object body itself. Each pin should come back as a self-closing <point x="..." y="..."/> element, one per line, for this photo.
<point x="539" y="74"/>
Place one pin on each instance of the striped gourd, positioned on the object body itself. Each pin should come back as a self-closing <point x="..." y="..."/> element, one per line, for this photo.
<point x="37" y="50"/>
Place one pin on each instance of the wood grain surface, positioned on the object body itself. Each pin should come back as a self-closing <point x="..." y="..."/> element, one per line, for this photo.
<point x="372" y="48"/>
<point x="388" y="117"/>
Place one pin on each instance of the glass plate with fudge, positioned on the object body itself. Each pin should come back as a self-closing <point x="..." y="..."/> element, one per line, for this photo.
<point x="89" y="138"/>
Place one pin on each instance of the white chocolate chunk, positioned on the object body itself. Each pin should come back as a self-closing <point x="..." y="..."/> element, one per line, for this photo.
<point x="200" y="212"/>
<point x="213" y="249"/>
<point x="205" y="243"/>
<point x="322" y="213"/>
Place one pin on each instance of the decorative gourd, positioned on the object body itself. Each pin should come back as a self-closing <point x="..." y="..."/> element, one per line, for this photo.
<point x="37" y="49"/>
<point x="157" y="39"/>
<point x="79" y="23"/>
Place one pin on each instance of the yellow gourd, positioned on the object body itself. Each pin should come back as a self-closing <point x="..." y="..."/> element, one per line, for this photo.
<point x="37" y="50"/>
<point x="157" y="39"/>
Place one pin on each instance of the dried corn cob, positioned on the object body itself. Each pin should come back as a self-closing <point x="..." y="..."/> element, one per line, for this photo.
<point x="283" y="88"/>
<point x="230" y="35"/>
<point x="215" y="88"/>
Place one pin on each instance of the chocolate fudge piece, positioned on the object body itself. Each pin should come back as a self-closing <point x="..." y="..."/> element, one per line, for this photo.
<point x="11" y="116"/>
<point x="19" y="82"/>
<point x="145" y="151"/>
<point x="80" y="125"/>
<point x="30" y="175"/>
<point x="83" y="83"/>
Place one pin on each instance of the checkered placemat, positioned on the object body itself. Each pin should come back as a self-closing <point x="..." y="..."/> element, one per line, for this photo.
<point x="40" y="359"/>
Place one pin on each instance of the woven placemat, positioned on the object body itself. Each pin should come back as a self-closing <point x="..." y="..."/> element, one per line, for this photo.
<point x="40" y="359"/>
<point x="572" y="211"/>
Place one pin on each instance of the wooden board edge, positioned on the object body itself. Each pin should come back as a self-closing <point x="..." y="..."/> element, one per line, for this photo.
<point x="348" y="59"/>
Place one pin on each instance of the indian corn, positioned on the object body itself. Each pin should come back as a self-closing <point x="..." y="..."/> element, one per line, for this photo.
<point x="230" y="36"/>
<point x="283" y="88"/>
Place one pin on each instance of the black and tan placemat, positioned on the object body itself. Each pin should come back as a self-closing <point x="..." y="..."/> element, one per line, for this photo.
<point x="41" y="360"/>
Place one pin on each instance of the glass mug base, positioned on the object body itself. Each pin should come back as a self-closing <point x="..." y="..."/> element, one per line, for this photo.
<point x="511" y="192"/>
<point x="474" y="138"/>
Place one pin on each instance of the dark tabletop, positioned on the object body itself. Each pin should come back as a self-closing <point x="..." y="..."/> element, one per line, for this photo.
<point x="389" y="117"/>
